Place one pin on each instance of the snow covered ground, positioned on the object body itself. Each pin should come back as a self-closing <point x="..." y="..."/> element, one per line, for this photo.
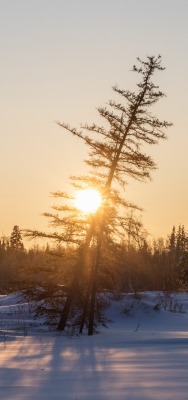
<point x="143" y="355"/>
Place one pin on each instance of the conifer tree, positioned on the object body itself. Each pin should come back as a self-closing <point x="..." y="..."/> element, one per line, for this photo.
<point x="118" y="152"/>
<point x="16" y="239"/>
<point x="115" y="153"/>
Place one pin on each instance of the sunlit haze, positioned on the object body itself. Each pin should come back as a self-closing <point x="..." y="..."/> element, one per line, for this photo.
<point x="59" y="61"/>
<point x="88" y="201"/>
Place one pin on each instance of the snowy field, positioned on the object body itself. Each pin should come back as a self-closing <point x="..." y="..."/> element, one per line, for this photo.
<point x="143" y="355"/>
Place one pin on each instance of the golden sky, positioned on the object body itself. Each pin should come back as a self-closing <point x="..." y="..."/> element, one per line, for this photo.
<point x="59" y="60"/>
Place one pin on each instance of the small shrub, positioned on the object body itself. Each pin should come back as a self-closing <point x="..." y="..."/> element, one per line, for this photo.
<point x="169" y="302"/>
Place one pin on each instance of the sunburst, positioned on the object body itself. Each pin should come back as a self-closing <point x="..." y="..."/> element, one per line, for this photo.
<point x="88" y="200"/>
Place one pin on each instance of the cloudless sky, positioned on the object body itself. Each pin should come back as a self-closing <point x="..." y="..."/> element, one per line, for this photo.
<point x="59" y="60"/>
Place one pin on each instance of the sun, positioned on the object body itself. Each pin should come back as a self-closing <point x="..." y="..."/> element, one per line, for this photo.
<point x="88" y="200"/>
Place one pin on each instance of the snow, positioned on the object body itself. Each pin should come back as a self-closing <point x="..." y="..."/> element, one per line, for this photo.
<point x="143" y="355"/>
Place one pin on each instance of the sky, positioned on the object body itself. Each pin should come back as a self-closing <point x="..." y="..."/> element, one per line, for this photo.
<point x="59" y="61"/>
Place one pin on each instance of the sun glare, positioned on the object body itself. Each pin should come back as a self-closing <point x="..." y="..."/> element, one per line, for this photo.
<point x="88" y="200"/>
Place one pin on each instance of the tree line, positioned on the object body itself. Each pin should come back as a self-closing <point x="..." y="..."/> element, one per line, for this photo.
<point x="45" y="273"/>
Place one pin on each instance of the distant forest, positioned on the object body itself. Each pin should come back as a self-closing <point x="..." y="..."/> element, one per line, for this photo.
<point x="133" y="265"/>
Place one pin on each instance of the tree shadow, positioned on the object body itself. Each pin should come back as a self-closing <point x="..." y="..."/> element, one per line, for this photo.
<point x="101" y="367"/>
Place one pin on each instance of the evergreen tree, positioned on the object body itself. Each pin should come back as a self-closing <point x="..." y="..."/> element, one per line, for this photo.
<point x="115" y="152"/>
<point x="182" y="256"/>
<point x="118" y="152"/>
<point x="172" y="242"/>
<point x="16" y="239"/>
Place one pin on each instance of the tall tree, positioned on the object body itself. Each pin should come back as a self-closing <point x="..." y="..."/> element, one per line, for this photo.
<point x="115" y="153"/>
<point x="118" y="152"/>
<point x="16" y="239"/>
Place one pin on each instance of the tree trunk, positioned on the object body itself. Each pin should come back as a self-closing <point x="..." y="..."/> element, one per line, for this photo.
<point x="85" y="308"/>
<point x="78" y="274"/>
<point x="94" y="287"/>
<point x="66" y="311"/>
